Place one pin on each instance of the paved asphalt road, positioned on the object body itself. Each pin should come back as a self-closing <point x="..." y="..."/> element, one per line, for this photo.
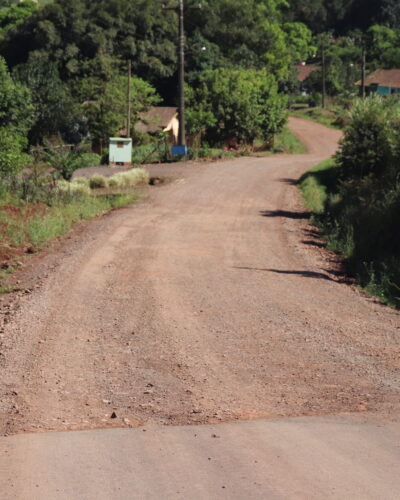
<point x="342" y="457"/>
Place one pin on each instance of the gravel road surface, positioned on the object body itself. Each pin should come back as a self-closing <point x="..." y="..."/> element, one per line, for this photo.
<point x="211" y="301"/>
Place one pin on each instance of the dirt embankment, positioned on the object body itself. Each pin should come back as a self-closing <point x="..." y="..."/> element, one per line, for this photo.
<point x="211" y="301"/>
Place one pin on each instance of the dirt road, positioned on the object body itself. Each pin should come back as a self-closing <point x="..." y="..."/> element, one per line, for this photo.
<point x="211" y="301"/>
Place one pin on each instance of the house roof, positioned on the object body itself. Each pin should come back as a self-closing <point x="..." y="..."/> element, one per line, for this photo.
<point x="383" y="77"/>
<point x="305" y="70"/>
<point x="156" y="119"/>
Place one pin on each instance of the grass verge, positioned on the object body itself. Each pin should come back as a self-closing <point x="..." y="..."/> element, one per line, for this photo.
<point x="287" y="142"/>
<point x="330" y="117"/>
<point x="376" y="276"/>
<point x="316" y="185"/>
<point x="28" y="227"/>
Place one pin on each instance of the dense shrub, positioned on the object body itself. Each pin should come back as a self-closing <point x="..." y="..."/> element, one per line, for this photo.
<point x="362" y="215"/>
<point x="235" y="105"/>
<point x="371" y="139"/>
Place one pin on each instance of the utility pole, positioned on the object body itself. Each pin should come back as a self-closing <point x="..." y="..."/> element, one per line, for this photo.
<point x="181" y="113"/>
<point x="128" y="122"/>
<point x="363" y="70"/>
<point x="323" y="74"/>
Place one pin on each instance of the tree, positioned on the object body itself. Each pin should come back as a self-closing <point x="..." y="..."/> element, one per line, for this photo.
<point x="16" y="117"/>
<point x="11" y="15"/>
<point x="105" y="106"/>
<point x="235" y="104"/>
<point x="52" y="102"/>
<point x="12" y="157"/>
<point x="383" y="47"/>
<point x="16" y="109"/>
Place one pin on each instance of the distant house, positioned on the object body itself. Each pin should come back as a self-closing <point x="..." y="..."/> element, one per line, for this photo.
<point x="303" y="71"/>
<point x="160" y="119"/>
<point x="382" y="82"/>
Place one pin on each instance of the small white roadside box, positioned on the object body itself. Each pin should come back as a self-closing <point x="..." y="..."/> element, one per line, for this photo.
<point x="120" y="151"/>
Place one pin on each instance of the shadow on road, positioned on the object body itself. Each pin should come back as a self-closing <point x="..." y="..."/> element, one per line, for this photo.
<point x="286" y="214"/>
<point x="291" y="182"/>
<point x="341" y="277"/>
<point x="319" y="244"/>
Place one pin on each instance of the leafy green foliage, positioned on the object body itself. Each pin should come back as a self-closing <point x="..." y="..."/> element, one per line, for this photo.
<point x="16" y="109"/>
<point x="15" y="13"/>
<point x="343" y="16"/>
<point x="51" y="98"/>
<point x="372" y="139"/>
<point x="12" y="157"/>
<point x="16" y="116"/>
<point x="105" y="103"/>
<point x="235" y="104"/>
<point x="361" y="200"/>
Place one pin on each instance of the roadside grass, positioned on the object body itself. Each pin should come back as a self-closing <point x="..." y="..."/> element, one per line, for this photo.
<point x="287" y="142"/>
<point x="330" y="117"/>
<point x="26" y="227"/>
<point x="212" y="154"/>
<point x="317" y="185"/>
<point x="31" y="226"/>
<point x="319" y="189"/>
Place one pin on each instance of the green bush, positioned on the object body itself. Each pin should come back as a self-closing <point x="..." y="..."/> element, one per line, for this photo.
<point x="360" y="197"/>
<point x="90" y="160"/>
<point x="98" y="182"/>
<point x="12" y="158"/>
<point x="156" y="152"/>
<point x="371" y="138"/>
<point x="235" y="103"/>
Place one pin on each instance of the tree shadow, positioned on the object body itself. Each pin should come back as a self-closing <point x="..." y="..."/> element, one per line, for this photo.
<point x="341" y="276"/>
<point x="285" y="214"/>
<point x="305" y="274"/>
<point x="312" y="232"/>
<point x="291" y="182"/>
<point x="319" y="244"/>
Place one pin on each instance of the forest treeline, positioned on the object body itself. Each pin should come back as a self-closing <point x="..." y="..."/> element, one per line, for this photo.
<point x="72" y="55"/>
<point x="67" y="62"/>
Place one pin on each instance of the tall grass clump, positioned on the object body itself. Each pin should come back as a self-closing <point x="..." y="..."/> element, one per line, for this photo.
<point x="98" y="182"/>
<point x="361" y="202"/>
<point x="74" y="189"/>
<point x="130" y="178"/>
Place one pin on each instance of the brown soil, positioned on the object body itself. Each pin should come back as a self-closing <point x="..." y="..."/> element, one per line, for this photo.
<point x="213" y="300"/>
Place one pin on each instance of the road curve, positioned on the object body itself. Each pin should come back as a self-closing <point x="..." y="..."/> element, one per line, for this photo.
<point x="210" y="302"/>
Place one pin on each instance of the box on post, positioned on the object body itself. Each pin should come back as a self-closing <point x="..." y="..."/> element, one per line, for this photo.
<point x="179" y="150"/>
<point x="120" y="151"/>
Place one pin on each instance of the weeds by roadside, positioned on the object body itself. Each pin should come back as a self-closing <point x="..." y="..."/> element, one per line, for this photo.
<point x="287" y="142"/>
<point x="34" y="209"/>
<point x="332" y="117"/>
<point x="355" y="198"/>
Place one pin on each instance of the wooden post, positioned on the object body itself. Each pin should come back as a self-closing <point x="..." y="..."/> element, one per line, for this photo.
<point x="363" y="67"/>
<point x="182" y="131"/>
<point x="128" y="122"/>
<point x="323" y="74"/>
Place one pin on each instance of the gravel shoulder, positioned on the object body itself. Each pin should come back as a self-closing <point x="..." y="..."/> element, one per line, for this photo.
<point x="210" y="301"/>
